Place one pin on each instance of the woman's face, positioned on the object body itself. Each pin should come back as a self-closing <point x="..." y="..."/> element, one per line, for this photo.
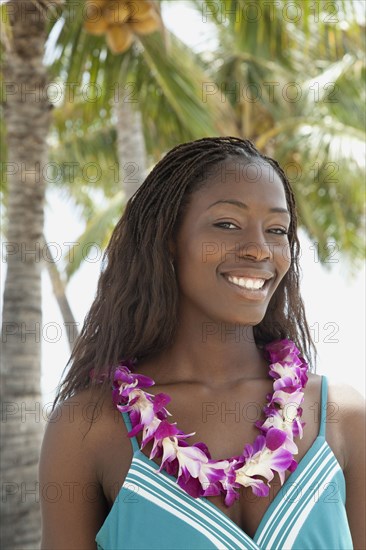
<point x="236" y="226"/>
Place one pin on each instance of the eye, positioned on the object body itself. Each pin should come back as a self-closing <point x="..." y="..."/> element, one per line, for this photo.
<point x="220" y="224"/>
<point x="279" y="231"/>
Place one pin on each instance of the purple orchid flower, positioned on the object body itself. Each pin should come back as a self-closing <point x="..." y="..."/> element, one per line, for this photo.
<point x="283" y="351"/>
<point x="261" y="458"/>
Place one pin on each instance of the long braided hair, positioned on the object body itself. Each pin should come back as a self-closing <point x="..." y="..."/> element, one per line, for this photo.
<point x="134" y="313"/>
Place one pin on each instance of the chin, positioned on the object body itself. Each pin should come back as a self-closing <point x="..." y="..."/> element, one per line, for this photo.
<point x="245" y="321"/>
<point x="253" y="316"/>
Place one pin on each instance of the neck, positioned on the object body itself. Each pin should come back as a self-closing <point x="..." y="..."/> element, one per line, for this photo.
<point x="211" y="353"/>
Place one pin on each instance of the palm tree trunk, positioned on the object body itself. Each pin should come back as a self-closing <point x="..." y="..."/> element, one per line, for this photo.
<point x="27" y="118"/>
<point x="59" y="291"/>
<point x="131" y="148"/>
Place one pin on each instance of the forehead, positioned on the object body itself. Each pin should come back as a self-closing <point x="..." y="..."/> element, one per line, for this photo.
<point x="254" y="181"/>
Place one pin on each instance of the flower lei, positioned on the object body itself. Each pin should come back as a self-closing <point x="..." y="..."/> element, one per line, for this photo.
<point x="199" y="475"/>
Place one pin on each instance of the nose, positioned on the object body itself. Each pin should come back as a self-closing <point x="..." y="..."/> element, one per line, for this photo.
<point x="257" y="252"/>
<point x="256" y="248"/>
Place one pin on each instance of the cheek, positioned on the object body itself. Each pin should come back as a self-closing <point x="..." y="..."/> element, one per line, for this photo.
<point x="196" y="267"/>
<point x="283" y="258"/>
<point x="196" y="251"/>
<point x="282" y="269"/>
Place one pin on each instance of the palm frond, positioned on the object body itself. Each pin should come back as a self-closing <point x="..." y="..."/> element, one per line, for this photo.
<point x="321" y="130"/>
<point x="91" y="243"/>
<point x="173" y="72"/>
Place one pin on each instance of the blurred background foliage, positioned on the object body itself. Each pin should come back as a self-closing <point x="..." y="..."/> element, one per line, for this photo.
<point x="288" y="78"/>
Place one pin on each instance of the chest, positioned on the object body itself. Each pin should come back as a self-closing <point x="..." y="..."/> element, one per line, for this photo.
<point x="225" y="423"/>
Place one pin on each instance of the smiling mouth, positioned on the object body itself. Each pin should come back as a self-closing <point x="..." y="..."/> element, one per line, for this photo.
<point x="249" y="287"/>
<point x="250" y="283"/>
<point x="247" y="283"/>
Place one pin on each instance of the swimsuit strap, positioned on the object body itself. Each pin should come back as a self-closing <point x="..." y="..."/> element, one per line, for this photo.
<point x="127" y="421"/>
<point x="323" y="406"/>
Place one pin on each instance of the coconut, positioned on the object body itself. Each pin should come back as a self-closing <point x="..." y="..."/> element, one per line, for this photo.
<point x="146" y="26"/>
<point x="140" y="10"/>
<point x="117" y="11"/>
<point x="97" y="27"/>
<point x="95" y="4"/>
<point x="119" y="38"/>
<point x="93" y="16"/>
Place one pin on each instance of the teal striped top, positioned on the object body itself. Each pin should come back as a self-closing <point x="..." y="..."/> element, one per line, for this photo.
<point x="308" y="513"/>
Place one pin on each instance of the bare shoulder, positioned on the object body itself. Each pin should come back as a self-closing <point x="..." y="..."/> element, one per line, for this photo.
<point x="346" y="396"/>
<point x="347" y="407"/>
<point x="79" y="421"/>
<point x="84" y="426"/>
<point x="72" y="469"/>
<point x="350" y="408"/>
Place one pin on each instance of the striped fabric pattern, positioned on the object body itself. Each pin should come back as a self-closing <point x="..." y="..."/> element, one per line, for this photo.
<point x="152" y="512"/>
<point x="198" y="513"/>
<point x="288" y="516"/>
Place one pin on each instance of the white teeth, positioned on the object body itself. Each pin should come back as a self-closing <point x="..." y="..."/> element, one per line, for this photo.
<point x="246" y="282"/>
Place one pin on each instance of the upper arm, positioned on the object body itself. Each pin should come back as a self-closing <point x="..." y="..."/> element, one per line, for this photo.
<point x="353" y="421"/>
<point x="72" y="502"/>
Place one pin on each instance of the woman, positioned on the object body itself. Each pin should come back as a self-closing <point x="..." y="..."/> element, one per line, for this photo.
<point x="200" y="292"/>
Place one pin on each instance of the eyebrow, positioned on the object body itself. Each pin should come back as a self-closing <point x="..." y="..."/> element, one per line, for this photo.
<point x="244" y="206"/>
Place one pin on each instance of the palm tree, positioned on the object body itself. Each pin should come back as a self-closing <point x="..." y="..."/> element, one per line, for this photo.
<point x="148" y="97"/>
<point x="312" y="124"/>
<point x="293" y="74"/>
<point x="59" y="291"/>
<point x="27" y="127"/>
<point x="27" y="117"/>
